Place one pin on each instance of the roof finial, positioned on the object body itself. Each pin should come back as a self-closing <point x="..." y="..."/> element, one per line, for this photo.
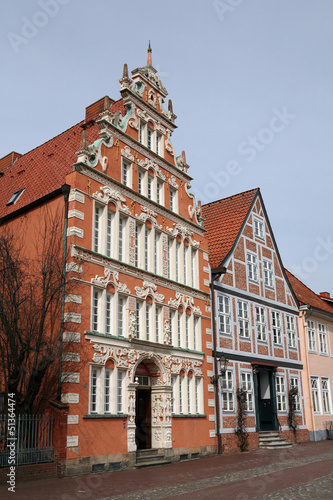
<point x="149" y="59"/>
<point x="125" y="71"/>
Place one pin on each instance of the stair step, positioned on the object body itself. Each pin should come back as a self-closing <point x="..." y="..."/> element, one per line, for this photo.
<point x="276" y="446"/>
<point x="141" y="465"/>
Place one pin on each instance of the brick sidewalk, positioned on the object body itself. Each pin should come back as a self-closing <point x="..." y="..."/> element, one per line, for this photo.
<point x="236" y="476"/>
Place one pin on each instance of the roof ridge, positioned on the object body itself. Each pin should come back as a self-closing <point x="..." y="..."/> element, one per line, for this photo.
<point x="306" y="286"/>
<point x="232" y="196"/>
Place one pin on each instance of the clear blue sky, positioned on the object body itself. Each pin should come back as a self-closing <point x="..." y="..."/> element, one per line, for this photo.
<point x="251" y="82"/>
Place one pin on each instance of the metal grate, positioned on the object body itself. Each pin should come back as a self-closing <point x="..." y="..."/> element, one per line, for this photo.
<point x="32" y="438"/>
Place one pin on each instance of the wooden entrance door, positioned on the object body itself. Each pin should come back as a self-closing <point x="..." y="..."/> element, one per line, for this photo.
<point x="143" y="419"/>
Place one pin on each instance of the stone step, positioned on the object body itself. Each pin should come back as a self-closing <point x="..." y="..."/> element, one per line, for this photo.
<point x="269" y="438"/>
<point x="275" y="446"/>
<point x="141" y="465"/>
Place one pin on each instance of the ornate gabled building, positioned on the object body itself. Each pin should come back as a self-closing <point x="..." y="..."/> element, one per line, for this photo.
<point x="137" y="325"/>
<point x="256" y="337"/>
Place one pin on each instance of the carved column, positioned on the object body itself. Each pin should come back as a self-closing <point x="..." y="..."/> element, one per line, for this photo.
<point x="131" y="391"/>
<point x="161" y="429"/>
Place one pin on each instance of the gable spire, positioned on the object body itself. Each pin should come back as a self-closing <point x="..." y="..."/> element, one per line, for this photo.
<point x="149" y="58"/>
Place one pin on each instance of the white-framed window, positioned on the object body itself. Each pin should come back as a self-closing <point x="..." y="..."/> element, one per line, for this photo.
<point x="148" y="320"/>
<point x="315" y="391"/>
<point x="185" y="250"/>
<point x="138" y="314"/>
<point x="312" y="345"/>
<point x="106" y="390"/>
<point x="322" y="338"/>
<point x="179" y="329"/>
<point x="141" y="177"/>
<point x="227" y="383"/>
<point x="189" y="395"/>
<point x="158" y="324"/>
<point x="97" y="230"/>
<point x="261" y="324"/>
<point x="125" y="173"/>
<point x="156" y="251"/>
<point x="102" y="311"/>
<point x="173" y="393"/>
<point x="142" y="132"/>
<point x="150" y="136"/>
<point x="181" y="394"/>
<point x="109" y="228"/>
<point x="281" y="393"/>
<point x="177" y="258"/>
<point x="246" y="384"/>
<point x="103" y="227"/>
<point x="187" y="330"/>
<point x="325" y="387"/>
<point x="147" y="248"/>
<point x="291" y="331"/>
<point x="252" y="267"/>
<point x="169" y="257"/>
<point x="196" y="333"/>
<point x="224" y="312"/>
<point x="276" y="328"/>
<point x="137" y="244"/>
<point x="243" y="319"/>
<point x="268" y="273"/>
<point x="159" y="192"/>
<point x="121" y="316"/>
<point x="194" y="254"/>
<point x="121" y="239"/>
<point x="158" y="143"/>
<point x="258" y="228"/>
<point x="150" y="181"/>
<point x="294" y="383"/>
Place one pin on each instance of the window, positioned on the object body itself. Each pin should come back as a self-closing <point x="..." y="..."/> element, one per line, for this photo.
<point x="109" y="233"/>
<point x="291" y="331"/>
<point x="227" y="391"/>
<point x="258" y="229"/>
<point x="276" y="328"/>
<point x="311" y="336"/>
<point x="158" y="315"/>
<point x="197" y="395"/>
<point x="196" y="333"/>
<point x="136" y="249"/>
<point x="121" y="305"/>
<point x="189" y="399"/>
<point x="101" y="311"/>
<point x="106" y="390"/>
<point x="294" y="383"/>
<point x="14" y="198"/>
<point x="158" y="143"/>
<point x="246" y="382"/>
<point x="261" y="324"/>
<point x="177" y="260"/>
<point x="121" y="238"/>
<point x="185" y="263"/>
<point x="252" y="267"/>
<point x="187" y="331"/>
<point x="149" y="186"/>
<point x="148" y="321"/>
<point x="315" y="394"/>
<point x="103" y="220"/>
<point x="140" y="181"/>
<point x="159" y="192"/>
<point x="268" y="273"/>
<point x="138" y="318"/>
<point x="180" y="387"/>
<point x="224" y="315"/>
<point x="97" y="228"/>
<point x="147" y="238"/>
<point x="124" y="173"/>
<point x="326" y="395"/>
<point x="193" y="261"/>
<point x="172" y="199"/>
<point x="150" y="133"/>
<point x="179" y="329"/>
<point x="322" y="338"/>
<point x="281" y="393"/>
<point x="142" y="127"/>
<point x="169" y="258"/>
<point x="173" y="395"/>
<point x="243" y="319"/>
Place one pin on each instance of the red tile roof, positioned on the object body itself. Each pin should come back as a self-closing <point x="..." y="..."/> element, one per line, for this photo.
<point x="223" y="221"/>
<point x="43" y="169"/>
<point x="305" y="296"/>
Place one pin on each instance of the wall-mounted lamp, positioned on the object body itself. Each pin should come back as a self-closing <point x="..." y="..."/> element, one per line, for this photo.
<point x="223" y="369"/>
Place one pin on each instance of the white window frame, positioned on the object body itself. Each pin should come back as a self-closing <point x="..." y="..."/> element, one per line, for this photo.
<point x="281" y="396"/>
<point x="158" y="324"/>
<point x="243" y="319"/>
<point x="268" y="272"/>
<point x="252" y="267"/>
<point x="106" y="390"/>
<point x="121" y="319"/>
<point x="294" y="382"/>
<point x="102" y="311"/>
<point x="326" y="395"/>
<point x="311" y="335"/>
<point x="291" y="331"/>
<point x="246" y="384"/>
<point x="276" y="328"/>
<point x="322" y="338"/>
<point x="227" y="392"/>
<point x="258" y="228"/>
<point x="260" y="320"/>
<point x="316" y="396"/>
<point x="126" y="173"/>
<point x="224" y="312"/>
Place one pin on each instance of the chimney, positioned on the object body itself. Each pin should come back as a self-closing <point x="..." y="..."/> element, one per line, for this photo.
<point x="325" y="295"/>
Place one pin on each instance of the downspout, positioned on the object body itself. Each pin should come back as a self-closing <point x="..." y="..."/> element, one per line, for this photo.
<point x="215" y="274"/>
<point x="306" y="312"/>
<point x="65" y="190"/>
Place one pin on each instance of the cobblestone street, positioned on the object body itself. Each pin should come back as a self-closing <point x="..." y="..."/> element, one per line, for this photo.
<point x="303" y="471"/>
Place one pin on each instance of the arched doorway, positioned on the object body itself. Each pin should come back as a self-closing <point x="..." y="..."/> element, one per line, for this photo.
<point x="143" y="407"/>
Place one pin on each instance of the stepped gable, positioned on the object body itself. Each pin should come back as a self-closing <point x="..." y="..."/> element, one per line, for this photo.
<point x="224" y="220"/>
<point x="305" y="295"/>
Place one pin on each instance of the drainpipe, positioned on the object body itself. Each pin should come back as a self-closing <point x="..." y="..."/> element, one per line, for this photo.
<point x="216" y="272"/>
<point x="306" y="312"/>
<point x="65" y="190"/>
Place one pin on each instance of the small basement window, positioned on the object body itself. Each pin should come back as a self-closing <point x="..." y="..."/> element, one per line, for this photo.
<point x="15" y="197"/>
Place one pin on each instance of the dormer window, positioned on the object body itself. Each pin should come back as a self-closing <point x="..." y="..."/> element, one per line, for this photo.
<point x="15" y="197"/>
